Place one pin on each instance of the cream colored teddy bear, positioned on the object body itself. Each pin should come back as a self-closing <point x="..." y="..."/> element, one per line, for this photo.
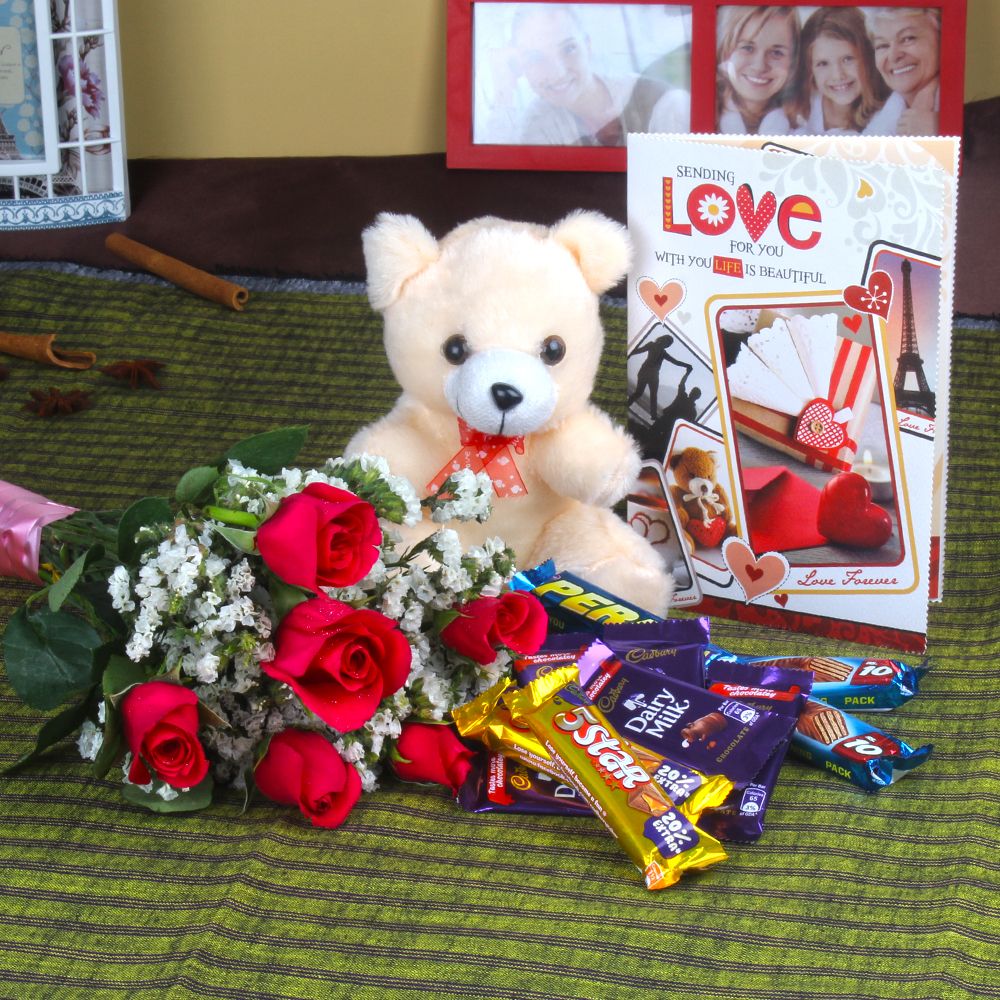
<point x="497" y="325"/>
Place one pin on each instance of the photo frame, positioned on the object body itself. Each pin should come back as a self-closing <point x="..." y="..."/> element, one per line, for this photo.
<point x="518" y="101"/>
<point x="82" y="178"/>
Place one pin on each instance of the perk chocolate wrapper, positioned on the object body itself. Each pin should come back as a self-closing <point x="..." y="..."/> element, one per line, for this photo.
<point x="853" y="683"/>
<point x="675" y="647"/>
<point x="713" y="734"/>
<point x="573" y="604"/>
<point x="848" y="747"/>
<point x="497" y="784"/>
<point x="592" y="756"/>
<point x="779" y="689"/>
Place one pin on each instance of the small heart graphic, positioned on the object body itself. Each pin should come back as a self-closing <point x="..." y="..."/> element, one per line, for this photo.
<point x="782" y="599"/>
<point x="707" y="534"/>
<point x="756" y="219"/>
<point x="865" y="190"/>
<point x="874" y="298"/>
<point x="853" y="323"/>
<point x="651" y="528"/>
<point x="661" y="299"/>
<point x="818" y="427"/>
<point x="755" y="575"/>
<point x="846" y="514"/>
<point x="683" y="317"/>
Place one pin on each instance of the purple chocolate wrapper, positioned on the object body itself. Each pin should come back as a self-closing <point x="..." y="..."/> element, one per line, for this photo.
<point x="715" y="735"/>
<point x="782" y="690"/>
<point x="674" y="647"/>
<point x="496" y="784"/>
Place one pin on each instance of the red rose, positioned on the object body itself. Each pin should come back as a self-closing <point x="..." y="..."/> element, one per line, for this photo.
<point x="516" y="620"/>
<point x="303" y="769"/>
<point x="321" y="537"/>
<point x="161" y="729"/>
<point x="339" y="660"/>
<point x="431" y="752"/>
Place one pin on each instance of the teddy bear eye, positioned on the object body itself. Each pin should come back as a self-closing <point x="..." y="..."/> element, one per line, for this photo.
<point x="553" y="350"/>
<point x="455" y="349"/>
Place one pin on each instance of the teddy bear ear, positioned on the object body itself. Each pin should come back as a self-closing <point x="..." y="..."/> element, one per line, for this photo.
<point x="601" y="247"/>
<point x="396" y="248"/>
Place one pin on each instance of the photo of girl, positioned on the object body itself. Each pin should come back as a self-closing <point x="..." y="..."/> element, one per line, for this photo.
<point x="907" y="43"/>
<point x="757" y="49"/>
<point x="837" y="85"/>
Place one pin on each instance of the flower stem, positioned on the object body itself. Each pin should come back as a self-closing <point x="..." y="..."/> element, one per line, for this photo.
<point x="236" y="517"/>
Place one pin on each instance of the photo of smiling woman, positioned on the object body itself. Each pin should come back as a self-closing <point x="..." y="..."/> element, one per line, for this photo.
<point x="757" y="48"/>
<point x="548" y="74"/>
<point x="907" y="43"/>
<point x="838" y="88"/>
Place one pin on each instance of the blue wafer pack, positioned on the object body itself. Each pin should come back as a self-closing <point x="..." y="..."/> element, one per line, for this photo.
<point x="855" y="684"/>
<point x="850" y="748"/>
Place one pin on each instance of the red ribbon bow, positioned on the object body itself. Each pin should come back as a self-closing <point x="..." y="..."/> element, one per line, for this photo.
<point x="485" y="452"/>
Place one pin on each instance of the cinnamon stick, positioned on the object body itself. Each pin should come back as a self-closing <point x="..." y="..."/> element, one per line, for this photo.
<point x="192" y="279"/>
<point x="41" y="347"/>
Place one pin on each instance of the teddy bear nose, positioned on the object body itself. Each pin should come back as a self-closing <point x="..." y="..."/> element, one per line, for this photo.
<point x="505" y="396"/>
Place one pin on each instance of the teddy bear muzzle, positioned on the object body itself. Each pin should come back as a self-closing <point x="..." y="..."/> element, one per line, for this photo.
<point x="502" y="392"/>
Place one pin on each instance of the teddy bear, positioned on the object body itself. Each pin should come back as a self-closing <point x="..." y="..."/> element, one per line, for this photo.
<point x="494" y="335"/>
<point x="702" y="508"/>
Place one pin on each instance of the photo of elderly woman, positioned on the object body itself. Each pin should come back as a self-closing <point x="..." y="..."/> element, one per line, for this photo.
<point x="837" y="85"/>
<point x="582" y="74"/>
<point x="907" y="43"/>
<point x="824" y="70"/>
<point x="757" y="49"/>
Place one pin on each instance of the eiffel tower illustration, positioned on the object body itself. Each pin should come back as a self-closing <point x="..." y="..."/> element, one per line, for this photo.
<point x="909" y="362"/>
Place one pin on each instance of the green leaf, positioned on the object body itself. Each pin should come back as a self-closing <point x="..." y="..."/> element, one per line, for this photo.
<point x="55" y="729"/>
<point x="143" y="513"/>
<point x="285" y="596"/>
<point x="245" y="541"/>
<point x="271" y="451"/>
<point x="119" y="675"/>
<point x="50" y="656"/>
<point x="443" y="618"/>
<point x="196" y="798"/>
<point x="195" y="485"/>
<point x="65" y="585"/>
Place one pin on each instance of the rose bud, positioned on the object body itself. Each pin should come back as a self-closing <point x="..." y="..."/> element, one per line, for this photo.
<point x="521" y="623"/>
<point x="321" y="537"/>
<point x="303" y="769"/>
<point x="516" y="620"/>
<point x="340" y="661"/>
<point x="161" y="730"/>
<point x="431" y="752"/>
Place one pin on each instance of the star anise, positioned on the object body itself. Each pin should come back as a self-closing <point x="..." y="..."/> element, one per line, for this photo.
<point x="54" y="402"/>
<point x="140" y="372"/>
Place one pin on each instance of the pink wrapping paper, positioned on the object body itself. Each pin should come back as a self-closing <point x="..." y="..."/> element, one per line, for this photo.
<point x="23" y="514"/>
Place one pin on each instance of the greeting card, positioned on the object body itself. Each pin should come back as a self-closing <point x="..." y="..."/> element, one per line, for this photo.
<point x="789" y="342"/>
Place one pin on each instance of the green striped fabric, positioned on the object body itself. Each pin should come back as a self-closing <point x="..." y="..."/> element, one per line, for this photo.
<point x="848" y="895"/>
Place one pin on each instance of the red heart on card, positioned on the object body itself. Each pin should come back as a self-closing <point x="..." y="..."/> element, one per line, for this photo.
<point x="818" y="428"/>
<point x="853" y="323"/>
<point x="651" y="528"/>
<point x="847" y="515"/>
<point x="661" y="299"/>
<point x="874" y="298"/>
<point x="756" y="219"/>
<point x="707" y="534"/>
<point x="756" y="575"/>
<point x="782" y="599"/>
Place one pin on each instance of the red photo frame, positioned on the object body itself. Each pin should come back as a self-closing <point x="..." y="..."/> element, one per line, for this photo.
<point x="471" y="145"/>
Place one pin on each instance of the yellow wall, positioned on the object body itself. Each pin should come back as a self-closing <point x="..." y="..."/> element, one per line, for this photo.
<point x="205" y="78"/>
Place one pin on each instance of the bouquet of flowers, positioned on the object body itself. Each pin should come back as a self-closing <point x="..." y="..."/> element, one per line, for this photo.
<point x="264" y="627"/>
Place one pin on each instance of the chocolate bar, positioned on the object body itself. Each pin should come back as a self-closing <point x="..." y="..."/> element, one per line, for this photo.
<point x="560" y="649"/>
<point x="843" y="744"/>
<point x="675" y="646"/>
<point x="715" y="735"/>
<point x="779" y="689"/>
<point x="592" y="756"/>
<point x="573" y="604"/>
<point x="854" y="683"/>
<point x="497" y="784"/>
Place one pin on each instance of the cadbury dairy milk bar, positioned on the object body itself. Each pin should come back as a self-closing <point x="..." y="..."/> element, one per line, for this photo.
<point x="714" y="734"/>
